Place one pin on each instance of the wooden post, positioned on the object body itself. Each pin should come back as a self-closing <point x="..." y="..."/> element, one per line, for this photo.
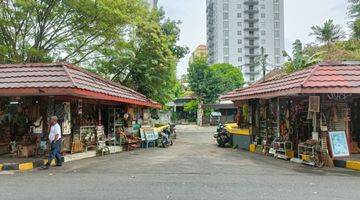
<point x="347" y="128"/>
<point x="278" y="118"/>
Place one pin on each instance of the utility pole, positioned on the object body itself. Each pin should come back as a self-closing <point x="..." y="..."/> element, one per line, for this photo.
<point x="155" y="2"/>
<point x="262" y="61"/>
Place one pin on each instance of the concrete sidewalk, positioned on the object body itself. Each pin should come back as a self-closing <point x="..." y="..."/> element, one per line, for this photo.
<point x="31" y="163"/>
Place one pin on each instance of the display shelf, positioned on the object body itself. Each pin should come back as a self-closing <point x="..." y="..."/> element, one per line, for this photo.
<point x="284" y="150"/>
<point x="305" y="153"/>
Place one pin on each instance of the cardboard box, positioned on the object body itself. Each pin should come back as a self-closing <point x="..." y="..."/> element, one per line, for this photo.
<point x="27" y="151"/>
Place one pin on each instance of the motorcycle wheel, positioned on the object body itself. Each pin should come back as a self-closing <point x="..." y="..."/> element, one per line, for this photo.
<point x="220" y="143"/>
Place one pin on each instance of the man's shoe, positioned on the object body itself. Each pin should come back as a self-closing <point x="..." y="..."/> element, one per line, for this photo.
<point x="45" y="167"/>
<point x="58" y="165"/>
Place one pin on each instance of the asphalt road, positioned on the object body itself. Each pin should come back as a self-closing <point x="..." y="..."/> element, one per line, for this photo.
<point x="195" y="168"/>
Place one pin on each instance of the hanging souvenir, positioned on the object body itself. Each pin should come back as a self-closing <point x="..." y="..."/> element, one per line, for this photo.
<point x="314" y="104"/>
<point x="80" y="109"/>
<point x="66" y="125"/>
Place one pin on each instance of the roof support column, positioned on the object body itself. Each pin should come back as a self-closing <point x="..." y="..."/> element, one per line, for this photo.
<point x="278" y="117"/>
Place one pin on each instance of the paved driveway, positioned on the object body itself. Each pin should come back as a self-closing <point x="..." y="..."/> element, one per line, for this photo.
<point x="195" y="168"/>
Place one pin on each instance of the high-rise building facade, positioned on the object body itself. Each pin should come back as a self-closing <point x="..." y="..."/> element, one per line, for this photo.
<point x="237" y="30"/>
<point x="153" y="3"/>
<point x="199" y="52"/>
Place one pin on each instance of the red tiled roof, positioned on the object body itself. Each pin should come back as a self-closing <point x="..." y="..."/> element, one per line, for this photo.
<point x="67" y="76"/>
<point x="322" y="78"/>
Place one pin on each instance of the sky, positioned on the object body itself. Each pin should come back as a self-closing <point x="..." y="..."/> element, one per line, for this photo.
<point x="300" y="15"/>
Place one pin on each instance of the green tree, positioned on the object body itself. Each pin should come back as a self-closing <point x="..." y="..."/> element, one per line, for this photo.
<point x="354" y="9"/>
<point x="300" y="59"/>
<point x="208" y="82"/>
<point x="72" y="30"/>
<point x="191" y="106"/>
<point x="147" y="63"/>
<point x="328" y="33"/>
<point x="231" y="77"/>
<point x="354" y="13"/>
<point x="337" y="52"/>
<point x="356" y="29"/>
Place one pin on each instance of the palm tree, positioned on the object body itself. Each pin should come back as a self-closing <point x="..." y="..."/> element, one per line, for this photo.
<point x="300" y="59"/>
<point x="328" y="33"/>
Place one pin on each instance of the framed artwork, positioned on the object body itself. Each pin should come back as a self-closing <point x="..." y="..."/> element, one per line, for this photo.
<point x="338" y="143"/>
<point x="314" y="104"/>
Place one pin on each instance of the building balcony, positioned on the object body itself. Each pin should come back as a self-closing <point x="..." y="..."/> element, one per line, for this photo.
<point x="251" y="29"/>
<point x="251" y="37"/>
<point x="250" y="64"/>
<point x="251" y="73"/>
<point x="253" y="11"/>
<point x="251" y="20"/>
<point x="251" y="2"/>
<point x="254" y="46"/>
<point x="252" y="55"/>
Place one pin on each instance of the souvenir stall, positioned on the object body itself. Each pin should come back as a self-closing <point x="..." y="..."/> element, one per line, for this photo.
<point x="338" y="124"/>
<point x="282" y="145"/>
<point x="266" y="124"/>
<point x="85" y="120"/>
<point x="123" y="124"/>
<point x="313" y="111"/>
<point x="240" y="131"/>
<point x="22" y="125"/>
<point x="89" y="108"/>
<point x="354" y="125"/>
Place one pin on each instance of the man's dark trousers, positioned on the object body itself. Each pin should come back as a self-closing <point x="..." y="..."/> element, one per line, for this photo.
<point x="55" y="152"/>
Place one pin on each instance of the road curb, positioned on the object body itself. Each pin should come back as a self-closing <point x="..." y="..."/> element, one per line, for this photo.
<point x="40" y="162"/>
<point x="25" y="165"/>
<point x="350" y="164"/>
<point x="354" y="165"/>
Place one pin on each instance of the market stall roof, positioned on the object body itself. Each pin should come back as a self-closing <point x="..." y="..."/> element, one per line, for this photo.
<point x="322" y="78"/>
<point x="65" y="79"/>
<point x="220" y="105"/>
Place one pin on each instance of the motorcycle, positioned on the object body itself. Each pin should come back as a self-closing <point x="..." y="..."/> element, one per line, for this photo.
<point x="166" y="138"/>
<point x="222" y="136"/>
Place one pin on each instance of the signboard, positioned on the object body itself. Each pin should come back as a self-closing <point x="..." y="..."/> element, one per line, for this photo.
<point x="149" y="134"/>
<point x="338" y="143"/>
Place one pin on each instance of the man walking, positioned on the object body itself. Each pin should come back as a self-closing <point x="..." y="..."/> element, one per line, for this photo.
<point x="55" y="142"/>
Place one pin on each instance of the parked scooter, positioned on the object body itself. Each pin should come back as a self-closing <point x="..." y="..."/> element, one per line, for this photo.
<point x="222" y="136"/>
<point x="166" y="138"/>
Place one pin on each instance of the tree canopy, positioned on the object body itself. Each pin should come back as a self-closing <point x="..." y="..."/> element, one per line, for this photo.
<point x="122" y="40"/>
<point x="208" y="82"/>
<point x="332" y="47"/>
<point x="328" y="33"/>
<point x="148" y="61"/>
<point x="72" y="30"/>
<point x="301" y="59"/>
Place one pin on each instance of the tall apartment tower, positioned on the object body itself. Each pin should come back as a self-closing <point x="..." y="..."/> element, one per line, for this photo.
<point x="153" y="3"/>
<point x="237" y="30"/>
